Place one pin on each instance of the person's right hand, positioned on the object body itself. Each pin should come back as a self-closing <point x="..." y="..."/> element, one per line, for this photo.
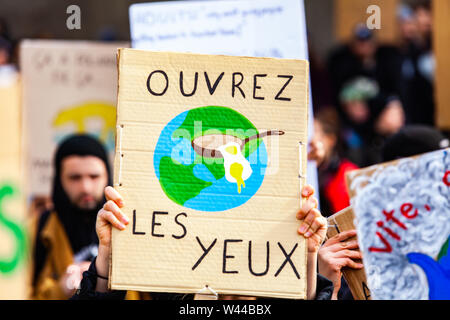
<point x="336" y="253"/>
<point x="110" y="215"/>
<point x="71" y="279"/>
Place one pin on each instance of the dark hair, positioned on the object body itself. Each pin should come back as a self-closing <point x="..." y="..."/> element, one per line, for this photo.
<point x="5" y="44"/>
<point x="413" y="140"/>
<point x="331" y="125"/>
<point x="4" y="30"/>
<point x="329" y="119"/>
<point x="422" y="4"/>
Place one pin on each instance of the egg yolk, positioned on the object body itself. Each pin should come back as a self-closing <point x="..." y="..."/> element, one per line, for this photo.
<point x="236" y="172"/>
<point x="231" y="150"/>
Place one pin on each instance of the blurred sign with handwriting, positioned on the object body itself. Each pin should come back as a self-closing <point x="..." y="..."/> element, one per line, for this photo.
<point x="14" y="248"/>
<point x="403" y="210"/>
<point x="207" y="159"/>
<point x="263" y="28"/>
<point x="68" y="87"/>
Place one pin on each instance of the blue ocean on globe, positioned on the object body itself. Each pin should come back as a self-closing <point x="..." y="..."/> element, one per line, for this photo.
<point x="221" y="195"/>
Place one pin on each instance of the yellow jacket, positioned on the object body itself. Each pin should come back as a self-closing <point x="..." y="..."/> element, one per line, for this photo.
<point x="59" y="257"/>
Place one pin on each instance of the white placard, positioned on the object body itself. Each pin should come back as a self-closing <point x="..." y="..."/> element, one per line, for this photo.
<point x="264" y="28"/>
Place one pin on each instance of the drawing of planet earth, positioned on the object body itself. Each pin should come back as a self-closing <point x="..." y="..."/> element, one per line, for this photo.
<point x="198" y="181"/>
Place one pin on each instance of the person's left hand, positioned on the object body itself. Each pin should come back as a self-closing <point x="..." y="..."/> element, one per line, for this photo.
<point x="314" y="225"/>
<point x="337" y="253"/>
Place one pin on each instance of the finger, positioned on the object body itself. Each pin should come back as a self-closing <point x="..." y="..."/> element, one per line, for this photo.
<point x="307" y="191"/>
<point x="351" y="264"/>
<point x="312" y="215"/>
<point x="319" y="223"/>
<point x="111" y="218"/>
<point x="351" y="254"/>
<point x="350" y="245"/>
<point x="308" y="221"/>
<point x="112" y="194"/>
<point x="112" y="207"/>
<point x="340" y="237"/>
<point x="308" y="205"/>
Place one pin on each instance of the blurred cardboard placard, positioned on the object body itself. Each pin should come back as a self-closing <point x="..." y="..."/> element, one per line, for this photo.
<point x="441" y="49"/>
<point x="402" y="211"/>
<point x="208" y="162"/>
<point x="14" y="248"/>
<point x="380" y="16"/>
<point x="356" y="279"/>
<point x="68" y="87"/>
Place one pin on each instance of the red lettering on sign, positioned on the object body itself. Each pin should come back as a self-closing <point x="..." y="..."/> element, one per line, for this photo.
<point x="390" y="216"/>
<point x="392" y="234"/>
<point x="387" y="246"/>
<point x="388" y="230"/>
<point x="405" y="210"/>
<point x="446" y="179"/>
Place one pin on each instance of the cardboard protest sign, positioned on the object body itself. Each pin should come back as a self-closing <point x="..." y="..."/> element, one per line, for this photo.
<point x="208" y="162"/>
<point x="356" y="278"/>
<point x="14" y="248"/>
<point x="263" y="28"/>
<point x="402" y="211"/>
<point x="68" y="87"/>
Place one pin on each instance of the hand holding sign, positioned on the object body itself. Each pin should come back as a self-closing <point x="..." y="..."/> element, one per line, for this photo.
<point x="109" y="215"/>
<point x="339" y="252"/>
<point x="314" y="225"/>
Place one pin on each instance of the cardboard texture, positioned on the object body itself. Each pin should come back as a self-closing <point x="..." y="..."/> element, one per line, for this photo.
<point x="441" y="48"/>
<point x="14" y="248"/>
<point x="402" y="211"/>
<point x="195" y="222"/>
<point x="356" y="279"/>
<point x="68" y="87"/>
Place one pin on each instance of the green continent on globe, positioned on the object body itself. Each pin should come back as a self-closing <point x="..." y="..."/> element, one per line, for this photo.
<point x="177" y="180"/>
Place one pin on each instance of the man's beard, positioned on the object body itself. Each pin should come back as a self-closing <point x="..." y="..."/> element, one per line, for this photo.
<point x="87" y="206"/>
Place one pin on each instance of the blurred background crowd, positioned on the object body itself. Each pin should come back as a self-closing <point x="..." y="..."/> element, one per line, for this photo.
<point x="364" y="91"/>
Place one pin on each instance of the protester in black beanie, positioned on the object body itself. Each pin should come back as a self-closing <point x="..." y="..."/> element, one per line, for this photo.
<point x="66" y="235"/>
<point x="77" y="221"/>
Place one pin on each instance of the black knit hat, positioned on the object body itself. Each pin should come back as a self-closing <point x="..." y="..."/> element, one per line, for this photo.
<point x="413" y="140"/>
<point x="79" y="145"/>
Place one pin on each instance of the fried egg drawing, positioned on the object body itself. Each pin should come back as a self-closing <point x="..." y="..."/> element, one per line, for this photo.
<point x="237" y="168"/>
